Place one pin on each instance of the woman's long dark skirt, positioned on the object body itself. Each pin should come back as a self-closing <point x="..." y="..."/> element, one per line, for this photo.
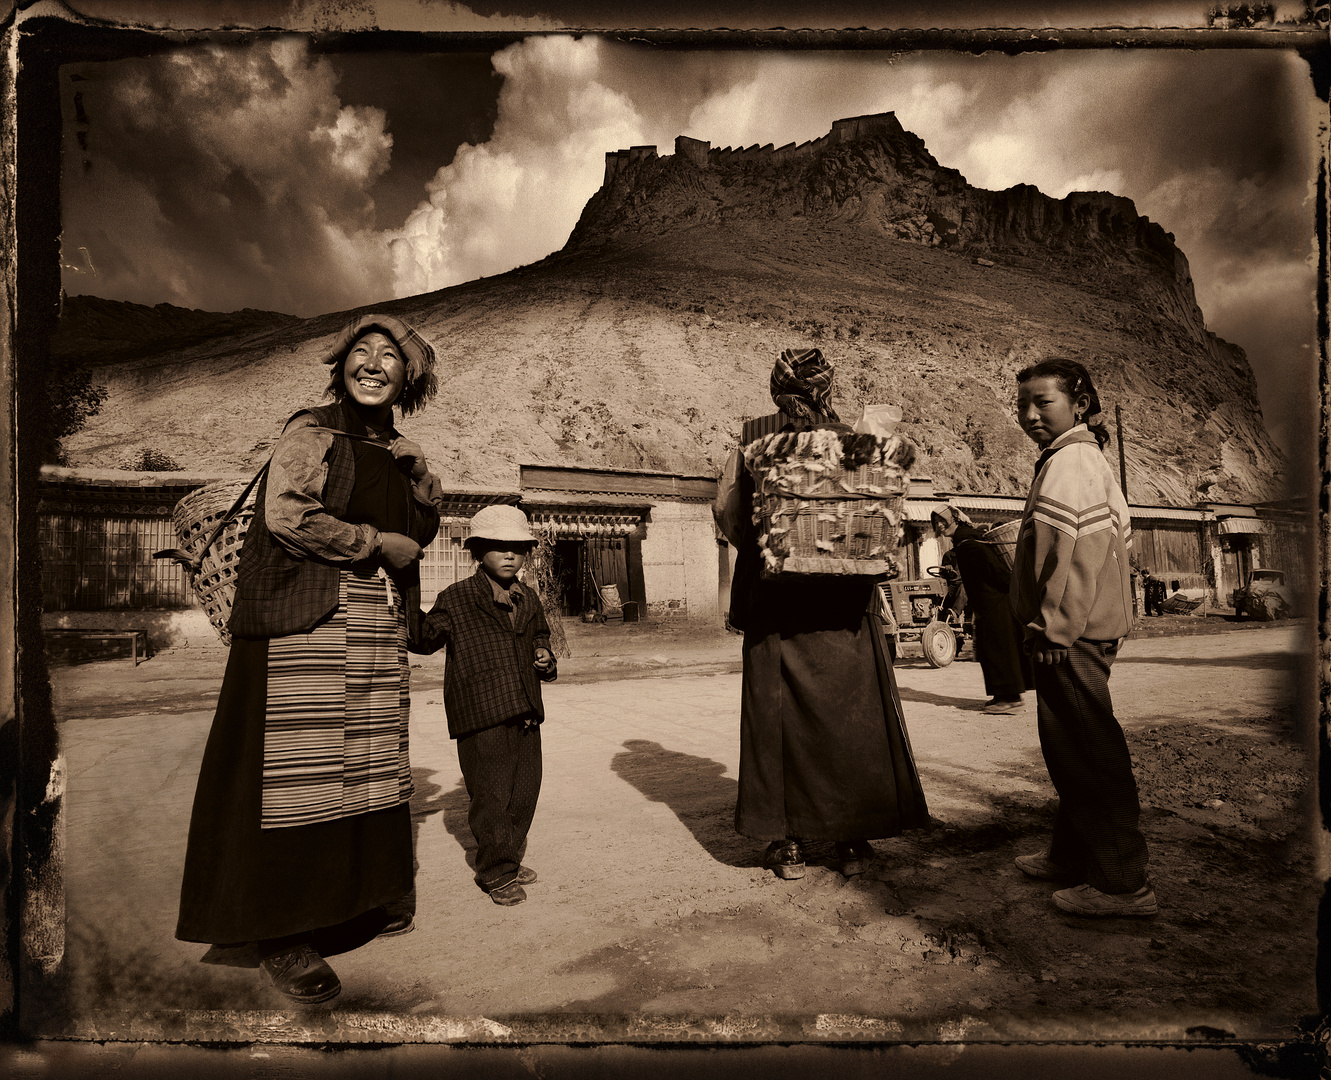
<point x="243" y="883"/>
<point x="823" y="751"/>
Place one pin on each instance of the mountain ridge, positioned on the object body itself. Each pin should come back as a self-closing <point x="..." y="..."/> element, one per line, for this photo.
<point x="651" y="333"/>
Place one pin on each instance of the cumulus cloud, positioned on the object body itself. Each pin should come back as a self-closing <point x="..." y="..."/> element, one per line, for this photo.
<point x="515" y="198"/>
<point x="224" y="178"/>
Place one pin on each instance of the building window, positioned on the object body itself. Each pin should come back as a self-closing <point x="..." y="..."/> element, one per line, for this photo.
<point x="445" y="561"/>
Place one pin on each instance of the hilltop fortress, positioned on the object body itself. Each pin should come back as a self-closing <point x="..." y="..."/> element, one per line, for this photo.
<point x="701" y="153"/>
<point x="870" y="172"/>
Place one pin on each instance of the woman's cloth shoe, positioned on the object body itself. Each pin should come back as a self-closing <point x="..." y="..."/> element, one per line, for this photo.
<point x="526" y="875"/>
<point x="397" y="925"/>
<point x="784" y="859"/>
<point x="854" y="857"/>
<point x="508" y="895"/>
<point x="1001" y="706"/>
<point x="1090" y="901"/>
<point x="1043" y="868"/>
<point x="302" y="975"/>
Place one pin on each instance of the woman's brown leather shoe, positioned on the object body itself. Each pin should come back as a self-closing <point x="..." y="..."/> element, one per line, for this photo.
<point x="302" y="975"/>
<point x="785" y="859"/>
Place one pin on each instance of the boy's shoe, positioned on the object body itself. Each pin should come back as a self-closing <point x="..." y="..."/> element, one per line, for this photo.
<point x="1088" y="900"/>
<point x="785" y="859"/>
<point x="526" y="875"/>
<point x="1001" y="706"/>
<point x="302" y="974"/>
<point x="508" y="895"/>
<point x="854" y="856"/>
<point x="1043" y="868"/>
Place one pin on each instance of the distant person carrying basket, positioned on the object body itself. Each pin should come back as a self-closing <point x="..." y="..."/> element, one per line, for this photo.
<point x="301" y="817"/>
<point x="1006" y="667"/>
<point x="824" y="754"/>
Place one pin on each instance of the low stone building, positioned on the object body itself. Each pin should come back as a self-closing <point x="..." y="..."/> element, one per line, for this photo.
<point x="616" y="537"/>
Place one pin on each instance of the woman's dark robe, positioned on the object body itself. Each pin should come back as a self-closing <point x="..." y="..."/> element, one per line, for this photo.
<point x="245" y="883"/>
<point x="1007" y="668"/>
<point x="824" y="754"/>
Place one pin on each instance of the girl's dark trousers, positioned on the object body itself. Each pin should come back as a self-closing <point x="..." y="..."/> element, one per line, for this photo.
<point x="502" y="770"/>
<point x="1095" y="829"/>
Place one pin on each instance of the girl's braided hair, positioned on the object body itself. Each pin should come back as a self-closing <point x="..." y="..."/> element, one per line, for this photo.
<point x="1074" y="380"/>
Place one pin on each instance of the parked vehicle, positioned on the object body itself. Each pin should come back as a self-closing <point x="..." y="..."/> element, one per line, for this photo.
<point x="914" y="614"/>
<point x="1264" y="596"/>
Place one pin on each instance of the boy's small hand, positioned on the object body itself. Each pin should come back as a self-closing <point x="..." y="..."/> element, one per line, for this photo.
<point x="544" y="659"/>
<point x="1044" y="651"/>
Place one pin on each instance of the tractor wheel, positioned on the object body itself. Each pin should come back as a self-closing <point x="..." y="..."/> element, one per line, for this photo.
<point x="939" y="644"/>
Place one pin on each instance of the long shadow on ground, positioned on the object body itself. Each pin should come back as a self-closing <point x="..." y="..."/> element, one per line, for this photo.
<point x="695" y="790"/>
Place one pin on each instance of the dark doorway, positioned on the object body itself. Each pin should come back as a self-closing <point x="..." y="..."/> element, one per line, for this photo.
<point x="583" y="568"/>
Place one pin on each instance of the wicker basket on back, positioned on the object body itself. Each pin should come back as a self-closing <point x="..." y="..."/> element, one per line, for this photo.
<point x="1003" y="538"/>
<point x="828" y="504"/>
<point x="210" y="524"/>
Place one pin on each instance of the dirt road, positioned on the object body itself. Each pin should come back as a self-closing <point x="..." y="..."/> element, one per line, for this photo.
<point x="652" y="919"/>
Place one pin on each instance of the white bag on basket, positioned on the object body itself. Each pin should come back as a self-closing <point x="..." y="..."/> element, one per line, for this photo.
<point x="880" y="420"/>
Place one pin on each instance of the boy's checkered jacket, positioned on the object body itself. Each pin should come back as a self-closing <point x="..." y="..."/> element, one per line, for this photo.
<point x="278" y="592"/>
<point x="491" y="675"/>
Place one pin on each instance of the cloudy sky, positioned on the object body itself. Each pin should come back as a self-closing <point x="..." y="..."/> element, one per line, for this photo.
<point x="268" y="175"/>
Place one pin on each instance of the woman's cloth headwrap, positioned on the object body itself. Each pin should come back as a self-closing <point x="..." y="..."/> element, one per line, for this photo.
<point x="947" y="516"/>
<point x="417" y="357"/>
<point x="417" y="353"/>
<point x="802" y="385"/>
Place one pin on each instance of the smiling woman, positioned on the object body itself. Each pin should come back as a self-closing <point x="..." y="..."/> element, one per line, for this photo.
<point x="300" y="819"/>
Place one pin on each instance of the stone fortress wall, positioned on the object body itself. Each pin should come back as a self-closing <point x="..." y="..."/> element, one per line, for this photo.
<point x="703" y="155"/>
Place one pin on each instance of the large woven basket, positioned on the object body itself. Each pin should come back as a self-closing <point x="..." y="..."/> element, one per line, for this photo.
<point x="196" y="519"/>
<point x="1003" y="538"/>
<point x="830" y="521"/>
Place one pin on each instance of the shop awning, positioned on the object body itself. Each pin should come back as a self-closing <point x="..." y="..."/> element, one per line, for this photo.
<point x="582" y="528"/>
<point x="584" y="517"/>
<point x="1242" y="525"/>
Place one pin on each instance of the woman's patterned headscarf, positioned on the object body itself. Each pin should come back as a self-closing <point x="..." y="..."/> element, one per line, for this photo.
<point x="802" y="385"/>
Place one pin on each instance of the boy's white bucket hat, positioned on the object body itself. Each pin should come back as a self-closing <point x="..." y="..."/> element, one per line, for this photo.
<point x="501" y="523"/>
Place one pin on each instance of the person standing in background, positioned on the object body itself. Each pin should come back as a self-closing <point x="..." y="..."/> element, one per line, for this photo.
<point x="998" y="636"/>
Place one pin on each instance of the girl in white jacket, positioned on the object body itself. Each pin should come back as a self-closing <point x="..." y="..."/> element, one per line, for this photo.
<point x="1071" y="591"/>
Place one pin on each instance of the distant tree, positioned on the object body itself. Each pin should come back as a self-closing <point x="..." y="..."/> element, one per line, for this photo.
<point x="150" y="459"/>
<point x="72" y="400"/>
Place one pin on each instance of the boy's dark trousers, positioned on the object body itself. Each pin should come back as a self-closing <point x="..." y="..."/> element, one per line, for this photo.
<point x="502" y="769"/>
<point x="1095" y="829"/>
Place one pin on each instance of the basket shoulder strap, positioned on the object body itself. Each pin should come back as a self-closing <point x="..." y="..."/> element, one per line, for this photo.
<point x="192" y="563"/>
<point x="347" y="434"/>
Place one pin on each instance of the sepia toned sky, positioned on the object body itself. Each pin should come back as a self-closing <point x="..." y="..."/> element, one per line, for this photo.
<point x="272" y="176"/>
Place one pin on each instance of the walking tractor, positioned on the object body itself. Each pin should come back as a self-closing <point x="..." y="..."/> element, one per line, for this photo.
<point x="917" y="612"/>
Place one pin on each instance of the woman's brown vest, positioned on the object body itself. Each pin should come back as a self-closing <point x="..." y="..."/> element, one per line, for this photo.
<point x="278" y="593"/>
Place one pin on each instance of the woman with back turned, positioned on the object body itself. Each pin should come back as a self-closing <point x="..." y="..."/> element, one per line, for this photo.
<point x="824" y="754"/>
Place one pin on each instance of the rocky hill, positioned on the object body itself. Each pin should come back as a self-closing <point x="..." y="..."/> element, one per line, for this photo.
<point x="644" y="341"/>
<point x="99" y="331"/>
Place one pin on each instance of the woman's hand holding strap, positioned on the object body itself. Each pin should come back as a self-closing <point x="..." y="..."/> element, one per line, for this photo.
<point x="397" y="550"/>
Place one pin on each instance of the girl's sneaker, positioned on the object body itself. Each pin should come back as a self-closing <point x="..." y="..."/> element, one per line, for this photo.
<point x="1088" y="900"/>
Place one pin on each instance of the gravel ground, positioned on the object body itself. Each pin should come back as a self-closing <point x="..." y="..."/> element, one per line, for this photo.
<point x="653" y="920"/>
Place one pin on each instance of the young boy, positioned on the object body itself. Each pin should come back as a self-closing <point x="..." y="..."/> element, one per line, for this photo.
<point x="498" y="653"/>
